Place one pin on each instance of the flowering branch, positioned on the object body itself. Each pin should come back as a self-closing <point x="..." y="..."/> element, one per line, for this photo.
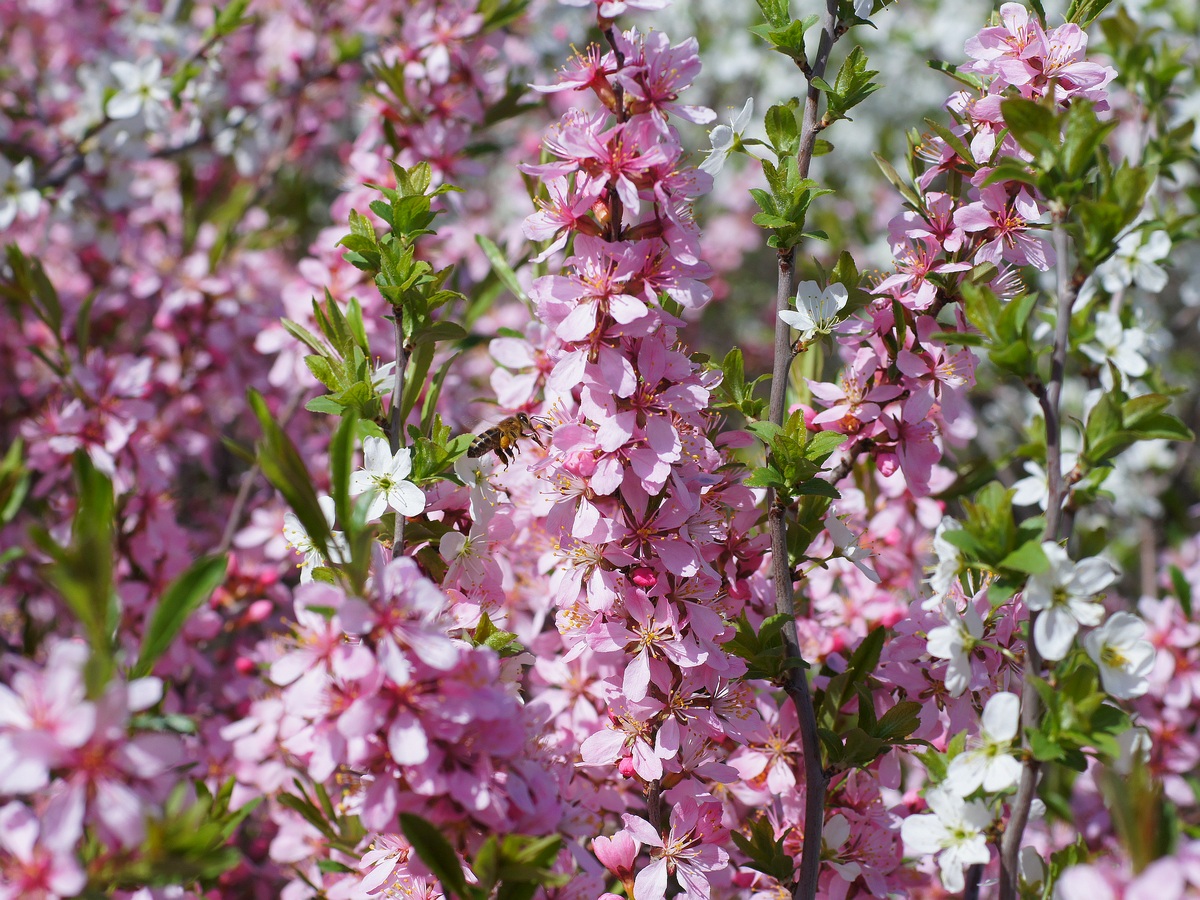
<point x="1050" y="400"/>
<point x="796" y="685"/>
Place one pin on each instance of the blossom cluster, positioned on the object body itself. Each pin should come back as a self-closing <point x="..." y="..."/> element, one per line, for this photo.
<point x="652" y="546"/>
<point x="381" y="705"/>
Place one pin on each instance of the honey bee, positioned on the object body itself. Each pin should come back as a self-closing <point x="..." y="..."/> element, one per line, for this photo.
<point x="503" y="438"/>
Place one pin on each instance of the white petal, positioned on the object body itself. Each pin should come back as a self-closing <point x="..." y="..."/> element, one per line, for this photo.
<point x="407" y="499"/>
<point x="1054" y="631"/>
<point x="1002" y="773"/>
<point x="923" y="834"/>
<point x="377" y="455"/>
<point x="1001" y="715"/>
<point x="123" y="106"/>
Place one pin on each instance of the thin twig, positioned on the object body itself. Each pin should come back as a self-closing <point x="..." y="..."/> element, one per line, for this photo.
<point x="796" y="679"/>
<point x="1031" y="711"/>
<point x="396" y="425"/>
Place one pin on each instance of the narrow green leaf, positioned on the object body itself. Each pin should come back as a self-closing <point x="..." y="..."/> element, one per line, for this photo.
<point x="182" y="597"/>
<point x="435" y="851"/>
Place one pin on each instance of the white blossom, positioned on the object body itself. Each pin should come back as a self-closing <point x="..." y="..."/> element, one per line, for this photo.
<point x="847" y="542"/>
<point x="383" y="477"/>
<point x="816" y="310"/>
<point x="1116" y="344"/>
<point x="1136" y="262"/>
<point x="724" y="138"/>
<point x="949" y="564"/>
<point x="142" y="89"/>
<point x="300" y="540"/>
<point x="1120" y="649"/>
<point x="1135" y="744"/>
<point x="954" y="642"/>
<point x="954" y="830"/>
<point x="1065" y="594"/>
<point x="863" y="8"/>
<point x="990" y="765"/>
<point x="18" y="196"/>
<point x="1034" y="488"/>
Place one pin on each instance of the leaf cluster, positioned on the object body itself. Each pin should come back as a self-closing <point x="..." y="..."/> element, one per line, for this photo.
<point x="343" y="832"/>
<point x="765" y="650"/>
<point x="189" y="844"/>
<point x="411" y="285"/>
<point x="511" y="867"/>
<point x="1076" y="716"/>
<point x="856" y="740"/>
<point x="797" y="458"/>
<point x="994" y="544"/>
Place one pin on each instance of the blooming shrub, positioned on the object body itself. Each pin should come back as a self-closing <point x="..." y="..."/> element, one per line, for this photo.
<point x="898" y="603"/>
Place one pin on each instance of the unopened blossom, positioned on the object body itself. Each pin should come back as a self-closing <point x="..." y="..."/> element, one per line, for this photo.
<point x="1065" y="597"/>
<point x="1136" y="261"/>
<point x="725" y="137"/>
<point x="383" y="478"/>
<point x="989" y="765"/>
<point x="953" y="829"/>
<point x="618" y="853"/>
<point x="954" y="642"/>
<point x="141" y="89"/>
<point x="18" y="196"/>
<point x="1120" y="649"/>
<point x="816" y="309"/>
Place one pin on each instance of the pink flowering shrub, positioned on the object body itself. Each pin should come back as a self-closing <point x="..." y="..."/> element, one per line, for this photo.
<point x="907" y="627"/>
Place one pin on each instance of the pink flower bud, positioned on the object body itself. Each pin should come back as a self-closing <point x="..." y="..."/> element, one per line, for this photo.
<point x="644" y="577"/>
<point x="580" y="462"/>
<point x="617" y="853"/>
<point x="259" y="611"/>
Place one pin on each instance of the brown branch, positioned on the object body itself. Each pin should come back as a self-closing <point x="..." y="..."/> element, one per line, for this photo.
<point x="1031" y="710"/>
<point x="796" y="678"/>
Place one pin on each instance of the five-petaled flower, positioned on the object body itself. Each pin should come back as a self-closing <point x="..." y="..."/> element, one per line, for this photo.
<point x="1065" y="595"/>
<point x="816" y="309"/>
<point x="383" y="477"/>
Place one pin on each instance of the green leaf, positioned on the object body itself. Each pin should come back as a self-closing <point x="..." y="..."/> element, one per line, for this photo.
<point x="765" y="852"/>
<point x="1183" y="590"/>
<point x="782" y="130"/>
<point x="893" y="177"/>
<point x="14" y="481"/>
<point x="435" y="851"/>
<point x="1084" y="12"/>
<point x="1029" y="558"/>
<point x="83" y="571"/>
<point x="182" y="597"/>
<point x="898" y="722"/>
<point x="974" y="82"/>
<point x="1034" y="126"/>
<point x="283" y="467"/>
<point x="502" y="269"/>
